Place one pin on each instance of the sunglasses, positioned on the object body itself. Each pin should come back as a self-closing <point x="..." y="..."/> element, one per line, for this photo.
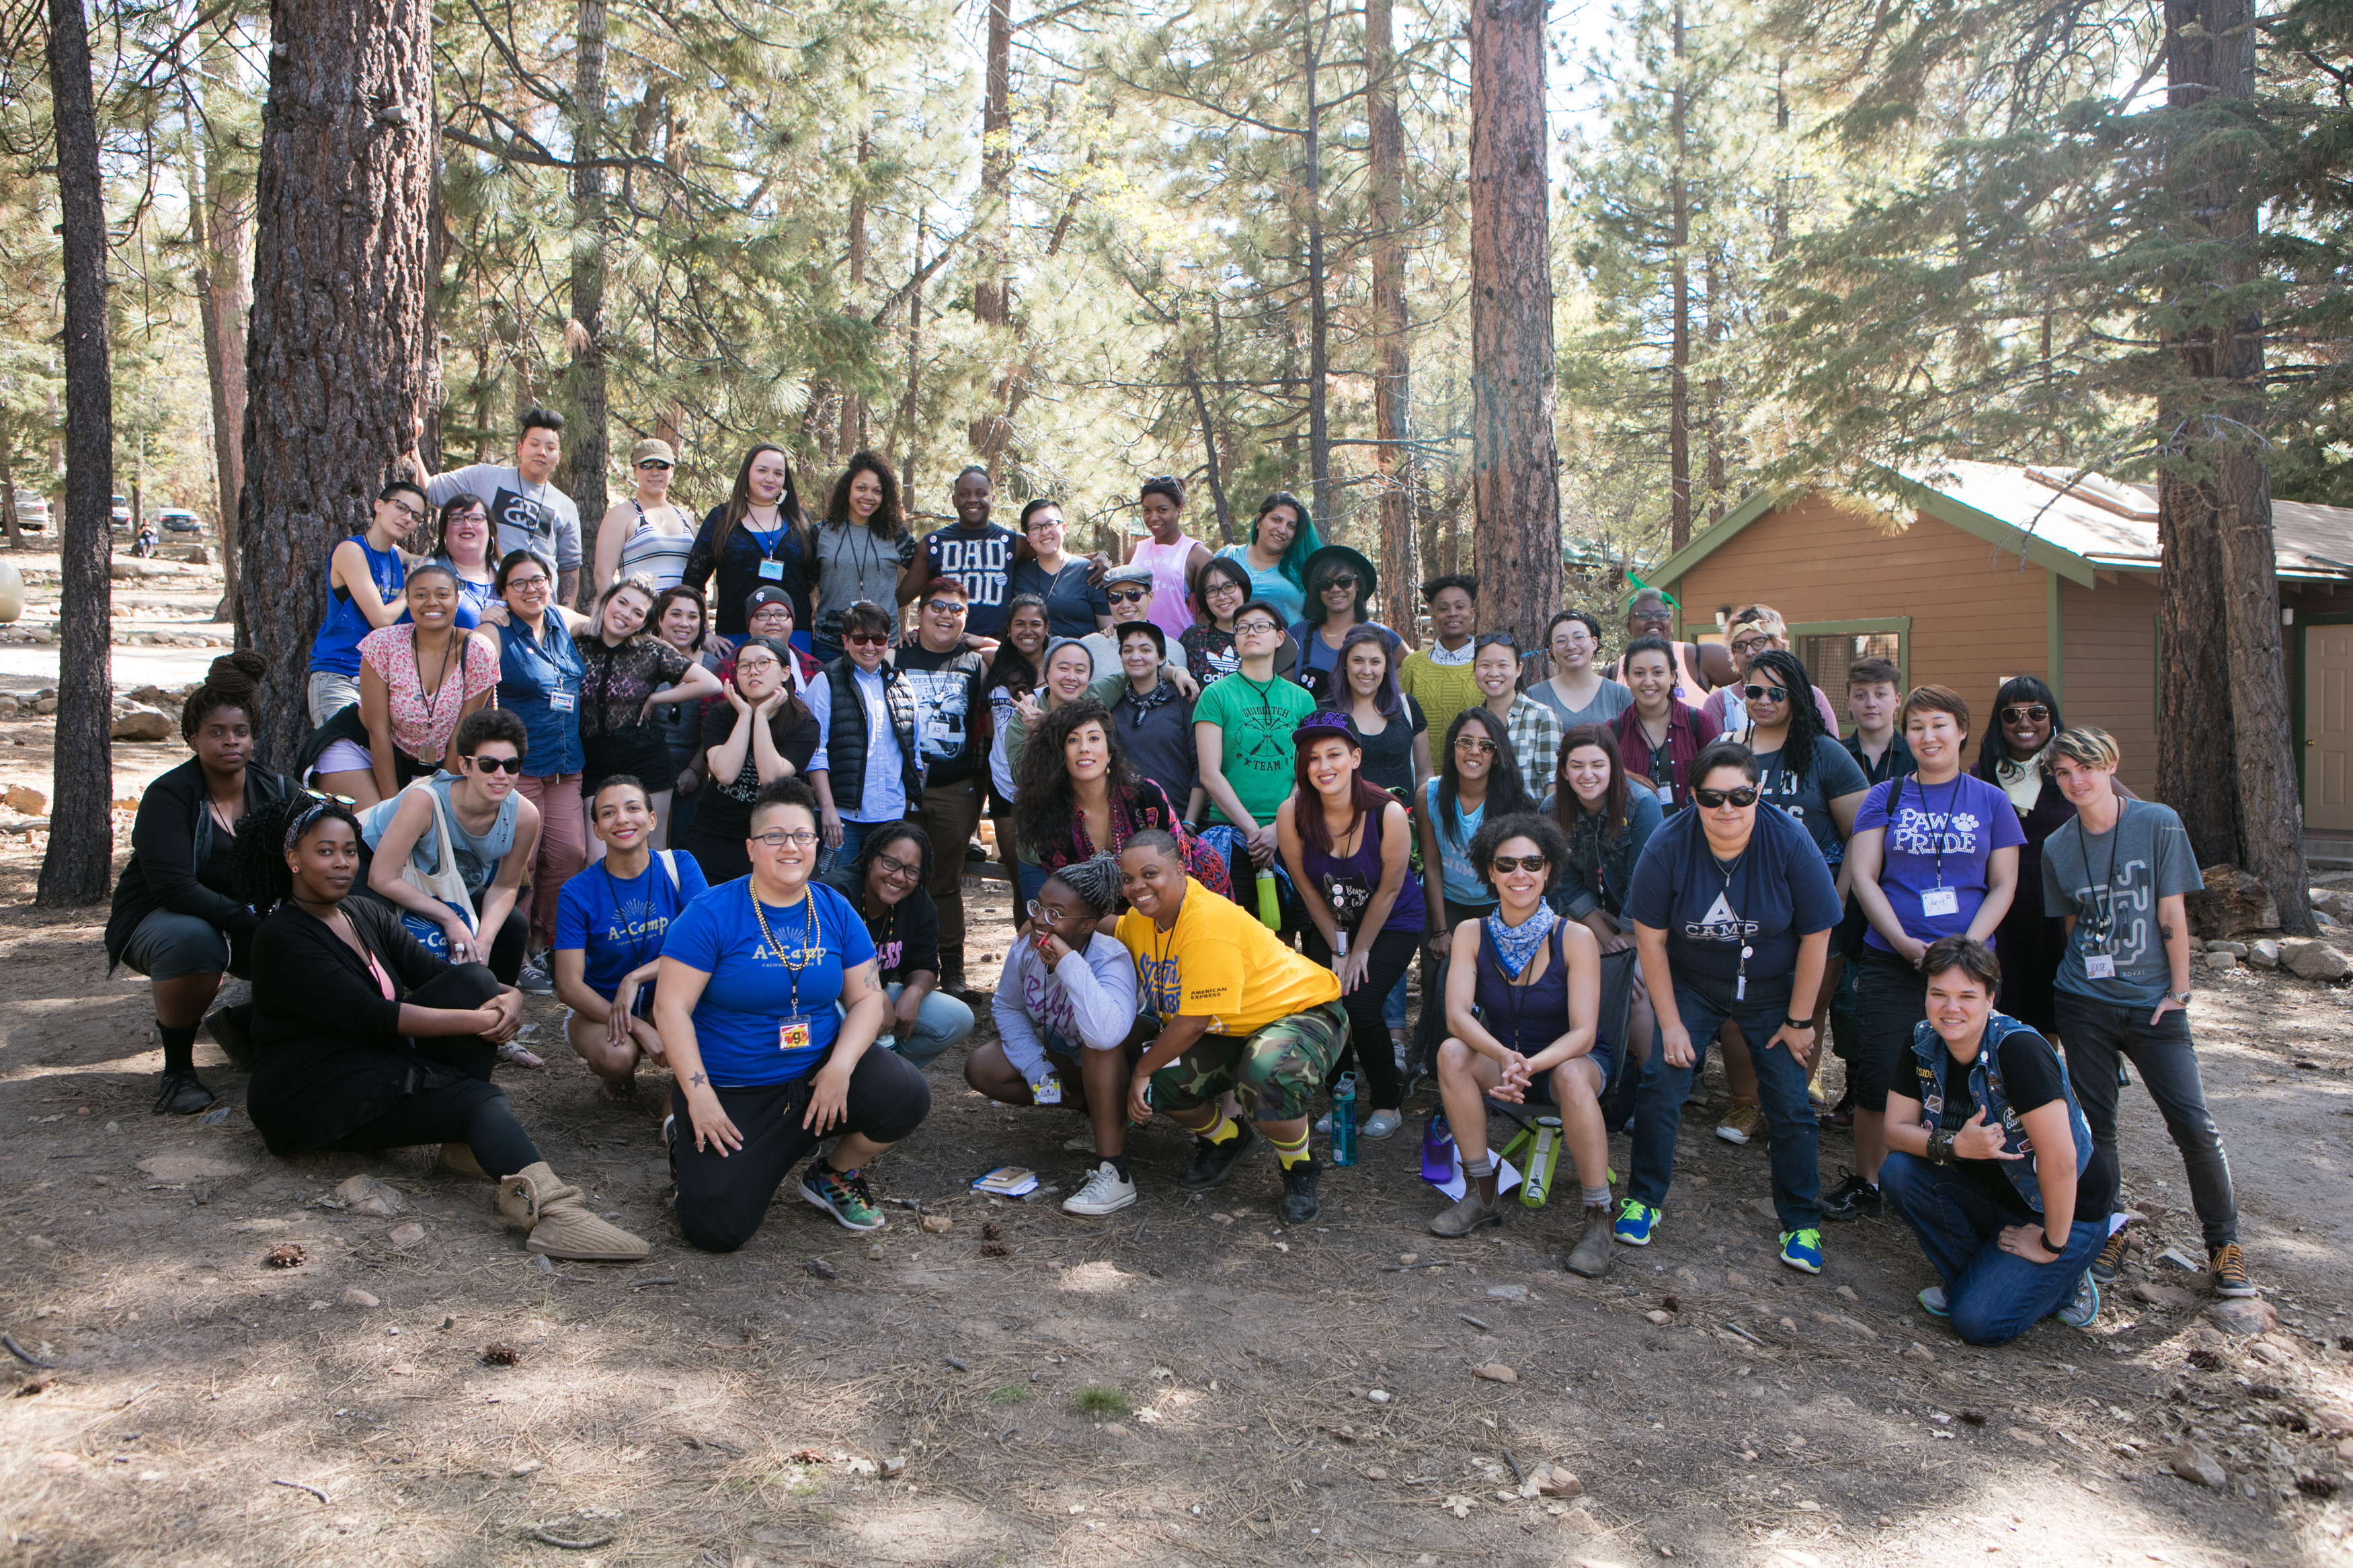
<point x="1743" y="797"/>
<point x="945" y="606"/>
<point x="1127" y="595"/>
<point x="1506" y="864"/>
<point x="497" y="764"/>
<point x="1764" y="694"/>
<point x="1752" y="644"/>
<point x="2037" y="712"/>
<point x="331" y="799"/>
<point x="1344" y="580"/>
<point x="1475" y="745"/>
<point x="655" y="463"/>
<point x="865" y="639"/>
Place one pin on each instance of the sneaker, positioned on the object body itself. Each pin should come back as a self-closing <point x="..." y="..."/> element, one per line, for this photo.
<point x="1468" y="1213"/>
<point x="1321" y="1126"/>
<point x="535" y="980"/>
<point x="2080" y="1313"/>
<point x="1742" y="1123"/>
<point x="1381" y="1123"/>
<point x="1635" y="1222"/>
<point x="1802" y="1249"/>
<point x="1590" y="1257"/>
<point x="1853" y="1198"/>
<point x="2110" y="1262"/>
<point x="1932" y="1302"/>
<point x="1212" y="1163"/>
<point x="1084" y="1143"/>
<point x="1106" y="1192"/>
<point x="2229" y="1267"/>
<point x="184" y="1094"/>
<point x="844" y="1195"/>
<point x="1300" y="1205"/>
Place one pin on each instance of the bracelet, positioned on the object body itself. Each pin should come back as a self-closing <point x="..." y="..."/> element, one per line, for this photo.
<point x="2054" y="1247"/>
<point x="1805" y="1023"/>
<point x="1940" y="1148"/>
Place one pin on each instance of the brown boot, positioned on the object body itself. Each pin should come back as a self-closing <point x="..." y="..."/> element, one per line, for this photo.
<point x="1590" y="1257"/>
<point x="458" y="1159"/>
<point x="559" y="1223"/>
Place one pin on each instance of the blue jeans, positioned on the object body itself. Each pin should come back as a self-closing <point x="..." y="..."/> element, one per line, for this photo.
<point x="1393" y="1005"/>
<point x="853" y="840"/>
<point x="940" y="1023"/>
<point x="1993" y="1296"/>
<point x="1704" y="1003"/>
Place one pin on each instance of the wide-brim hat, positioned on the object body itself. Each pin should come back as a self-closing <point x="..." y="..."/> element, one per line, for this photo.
<point x="1368" y="580"/>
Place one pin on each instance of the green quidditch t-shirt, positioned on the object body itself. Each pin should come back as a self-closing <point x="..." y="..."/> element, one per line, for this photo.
<point x="1255" y="719"/>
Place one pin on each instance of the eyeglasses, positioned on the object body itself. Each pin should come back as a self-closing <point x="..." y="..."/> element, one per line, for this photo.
<point x="1039" y="910"/>
<point x="755" y="665"/>
<point x="776" y="837"/>
<point x="527" y="584"/>
<point x="1042" y="520"/>
<point x="898" y="869"/>
<point x="1127" y="595"/>
<point x="865" y="639"/>
<point x="655" y="463"/>
<point x="1216" y="588"/>
<point x="413" y="514"/>
<point x="1263" y="628"/>
<point x="1764" y="693"/>
<point x="497" y="764"/>
<point x="2036" y="711"/>
<point x="1475" y="745"/>
<point x="1340" y="580"/>
<point x="1743" y="797"/>
<point x="1506" y="864"/>
<point x="945" y="606"/>
<point x="1752" y="644"/>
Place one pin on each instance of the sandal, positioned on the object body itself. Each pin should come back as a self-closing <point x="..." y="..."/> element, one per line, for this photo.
<point x="513" y="1051"/>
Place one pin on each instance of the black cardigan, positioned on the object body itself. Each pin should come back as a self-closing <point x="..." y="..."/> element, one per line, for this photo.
<point x="171" y="841"/>
<point x="333" y="1056"/>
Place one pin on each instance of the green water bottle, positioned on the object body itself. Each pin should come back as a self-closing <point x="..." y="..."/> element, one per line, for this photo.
<point x="1269" y="907"/>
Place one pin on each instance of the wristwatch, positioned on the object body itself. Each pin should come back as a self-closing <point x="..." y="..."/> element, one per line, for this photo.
<point x="2180" y="996"/>
<point x="2051" y="1247"/>
<point x="1805" y="1023"/>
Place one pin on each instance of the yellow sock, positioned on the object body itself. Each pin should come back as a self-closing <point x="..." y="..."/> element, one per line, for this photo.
<point x="1289" y="1153"/>
<point x="1224" y="1129"/>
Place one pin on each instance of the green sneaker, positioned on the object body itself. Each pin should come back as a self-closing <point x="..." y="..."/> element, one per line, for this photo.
<point x="1802" y="1249"/>
<point x="1635" y="1222"/>
<point x="844" y="1195"/>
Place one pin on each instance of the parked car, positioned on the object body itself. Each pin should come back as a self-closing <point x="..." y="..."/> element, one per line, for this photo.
<point x="32" y="513"/>
<point x="120" y="516"/>
<point x="179" y="519"/>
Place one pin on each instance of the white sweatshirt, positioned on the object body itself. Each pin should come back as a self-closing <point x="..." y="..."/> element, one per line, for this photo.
<point x="1091" y="1003"/>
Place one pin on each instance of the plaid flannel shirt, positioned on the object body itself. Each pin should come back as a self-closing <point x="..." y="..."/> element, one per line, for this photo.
<point x="1536" y="734"/>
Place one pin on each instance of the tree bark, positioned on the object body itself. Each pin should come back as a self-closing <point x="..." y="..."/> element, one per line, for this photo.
<point x="2215" y="488"/>
<point x="1679" y="488"/>
<point x="220" y="227"/>
<point x="853" y="402"/>
<point x="911" y="405"/>
<point x="1515" y="471"/>
<point x="8" y="480"/>
<point x="590" y="449"/>
<point x="1393" y="374"/>
<point x="81" y="853"/>
<point x="1210" y="450"/>
<point x="1319" y="430"/>
<point x="339" y="359"/>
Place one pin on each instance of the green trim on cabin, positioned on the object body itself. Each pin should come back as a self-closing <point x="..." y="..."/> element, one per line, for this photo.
<point x="1714" y="538"/>
<point x="2303" y="678"/>
<point x="1900" y="624"/>
<point x="2056" y="654"/>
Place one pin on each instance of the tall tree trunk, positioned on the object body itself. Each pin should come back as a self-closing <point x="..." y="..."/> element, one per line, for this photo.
<point x="989" y="302"/>
<point x="911" y="404"/>
<point x="590" y="449"/>
<point x="1678" y="486"/>
<point x="1319" y="431"/>
<point x="1514" y="467"/>
<point x="340" y="356"/>
<point x="1393" y="377"/>
<point x="81" y="823"/>
<point x="2216" y="490"/>
<point x="220" y="227"/>
<point x="8" y="526"/>
<point x="1210" y="450"/>
<point x="853" y="402"/>
<point x="1712" y="406"/>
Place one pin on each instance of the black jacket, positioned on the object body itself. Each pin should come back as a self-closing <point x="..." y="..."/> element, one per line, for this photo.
<point x="906" y="937"/>
<point x="171" y="842"/>
<point x="333" y="1056"/>
<point x="845" y="742"/>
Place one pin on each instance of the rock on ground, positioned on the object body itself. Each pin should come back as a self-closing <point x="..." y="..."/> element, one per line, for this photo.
<point x="2308" y="957"/>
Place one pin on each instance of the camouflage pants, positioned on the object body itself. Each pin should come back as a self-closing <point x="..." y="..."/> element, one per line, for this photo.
<point x="1273" y="1073"/>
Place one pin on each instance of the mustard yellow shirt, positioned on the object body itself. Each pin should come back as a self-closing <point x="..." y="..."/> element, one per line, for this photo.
<point x="1219" y="962"/>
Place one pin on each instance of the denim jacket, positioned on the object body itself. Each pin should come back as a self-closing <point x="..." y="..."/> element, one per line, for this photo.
<point x="1601" y="865"/>
<point x="1929" y="1062"/>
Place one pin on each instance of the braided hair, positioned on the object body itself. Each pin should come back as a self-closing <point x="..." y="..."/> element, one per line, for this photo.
<point x="1094" y="880"/>
<point x="258" y="871"/>
<point x="1805" y="719"/>
<point x="233" y="681"/>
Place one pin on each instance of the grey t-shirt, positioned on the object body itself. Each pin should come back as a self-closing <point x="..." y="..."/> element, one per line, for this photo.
<point x="538" y="518"/>
<point x="2111" y="882"/>
<point x="854" y="564"/>
<point x="1607" y="703"/>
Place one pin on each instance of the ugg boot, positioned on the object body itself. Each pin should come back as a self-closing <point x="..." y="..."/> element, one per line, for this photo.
<point x="559" y="1223"/>
<point x="458" y="1159"/>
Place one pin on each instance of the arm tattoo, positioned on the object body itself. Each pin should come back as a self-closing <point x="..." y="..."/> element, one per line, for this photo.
<point x="699" y="1081"/>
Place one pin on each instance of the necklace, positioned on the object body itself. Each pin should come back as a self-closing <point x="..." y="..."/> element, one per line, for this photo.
<point x="812" y="946"/>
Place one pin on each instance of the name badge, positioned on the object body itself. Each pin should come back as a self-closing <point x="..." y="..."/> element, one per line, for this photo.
<point x="2100" y="965"/>
<point x="772" y="571"/>
<point x="1940" y="902"/>
<point x="561" y="701"/>
<point x="793" y="1034"/>
<point x="1666" y="793"/>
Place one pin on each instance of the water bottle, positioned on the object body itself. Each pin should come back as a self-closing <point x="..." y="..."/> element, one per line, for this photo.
<point x="1343" y="1119"/>
<point x="1270" y="905"/>
<point x="1437" y="1149"/>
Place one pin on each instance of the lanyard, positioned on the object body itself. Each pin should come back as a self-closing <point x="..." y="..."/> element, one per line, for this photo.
<point x="1937" y="824"/>
<point x="812" y="931"/>
<point x="1740" y="926"/>
<point x="2104" y="927"/>
<point x="637" y="940"/>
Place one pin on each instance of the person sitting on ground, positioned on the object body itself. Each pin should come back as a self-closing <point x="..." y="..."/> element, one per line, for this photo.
<point x="888" y="884"/>
<point x="175" y="917"/>
<point x="609" y="921"/>
<point x="1068" y="1032"/>
<point x="1660" y="733"/>
<point x="1237" y="1011"/>
<point x="759" y="733"/>
<point x="765" y="1065"/>
<point x="366" y="1041"/>
<point x="1991" y="1161"/>
<point x="1523" y="1011"/>
<point x="1732" y="908"/>
<point x="466" y="909"/>
<point x="1080" y="796"/>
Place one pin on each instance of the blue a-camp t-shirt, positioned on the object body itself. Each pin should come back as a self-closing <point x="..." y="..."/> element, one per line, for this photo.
<point x="1780" y="890"/>
<point x="1939" y="836"/>
<point x="751" y="993"/>
<point x="619" y="922"/>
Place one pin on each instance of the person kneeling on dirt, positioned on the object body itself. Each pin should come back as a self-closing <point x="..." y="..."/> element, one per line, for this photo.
<point x="1522" y="1006"/>
<point x="367" y="1041"/>
<point x="766" y="1066"/>
<point x="1991" y="1161"/>
<point x="1237" y="1011"/>
<point x="610" y="921"/>
<point x="1066" y="1029"/>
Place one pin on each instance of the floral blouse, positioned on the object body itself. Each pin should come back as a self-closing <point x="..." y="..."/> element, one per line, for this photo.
<point x="423" y="722"/>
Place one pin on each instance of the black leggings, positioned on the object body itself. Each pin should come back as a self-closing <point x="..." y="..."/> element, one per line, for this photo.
<point x="720" y="1201"/>
<point x="1369" y="1053"/>
<point x="475" y="1113"/>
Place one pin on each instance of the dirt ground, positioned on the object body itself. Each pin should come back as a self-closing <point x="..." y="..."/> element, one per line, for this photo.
<point x="1187" y="1382"/>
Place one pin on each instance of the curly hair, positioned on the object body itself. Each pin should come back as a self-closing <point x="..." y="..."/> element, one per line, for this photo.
<point x="888" y="521"/>
<point x="234" y="680"/>
<point x="257" y="871"/>
<point x="888" y="834"/>
<point x="1094" y="882"/>
<point x="1498" y="831"/>
<point x="1798" y="747"/>
<point x="1044" y="805"/>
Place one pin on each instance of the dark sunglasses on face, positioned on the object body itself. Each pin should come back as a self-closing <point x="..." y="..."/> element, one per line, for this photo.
<point x="1506" y="864"/>
<point x="945" y="606"/>
<point x="1743" y="797"/>
<point x="865" y="639"/>
<point x="1764" y="693"/>
<point x="2037" y="712"/>
<point x="1746" y="645"/>
<point x="497" y="764"/>
<point x="1345" y="580"/>
<point x="1128" y="595"/>
<point x="655" y="463"/>
<point x="336" y="799"/>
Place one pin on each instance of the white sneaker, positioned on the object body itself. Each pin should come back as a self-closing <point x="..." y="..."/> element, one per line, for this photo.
<point x="1106" y="1192"/>
<point x="1381" y="1123"/>
<point x="1322" y="1127"/>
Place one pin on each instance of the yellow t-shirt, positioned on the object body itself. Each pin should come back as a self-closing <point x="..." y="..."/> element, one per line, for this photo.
<point x="1442" y="689"/>
<point x="1219" y="962"/>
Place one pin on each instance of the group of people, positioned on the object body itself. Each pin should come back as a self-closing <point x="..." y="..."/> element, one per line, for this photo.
<point x="737" y="852"/>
